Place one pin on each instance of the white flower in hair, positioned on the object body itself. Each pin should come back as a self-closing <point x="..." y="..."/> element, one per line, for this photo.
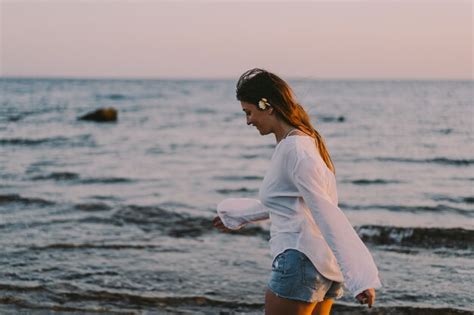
<point x="263" y="103"/>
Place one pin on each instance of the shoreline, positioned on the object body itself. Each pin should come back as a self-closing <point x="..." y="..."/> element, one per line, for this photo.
<point x="11" y="305"/>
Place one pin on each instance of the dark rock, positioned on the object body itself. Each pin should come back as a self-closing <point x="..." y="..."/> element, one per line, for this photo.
<point x="101" y="115"/>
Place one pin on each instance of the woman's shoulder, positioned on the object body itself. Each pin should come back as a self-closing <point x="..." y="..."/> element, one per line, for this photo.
<point x="300" y="142"/>
<point x="298" y="146"/>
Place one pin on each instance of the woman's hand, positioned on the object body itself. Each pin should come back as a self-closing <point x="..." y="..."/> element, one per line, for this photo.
<point x="217" y="223"/>
<point x="367" y="297"/>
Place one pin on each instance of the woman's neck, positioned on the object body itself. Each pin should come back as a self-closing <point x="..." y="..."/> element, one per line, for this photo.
<point x="283" y="131"/>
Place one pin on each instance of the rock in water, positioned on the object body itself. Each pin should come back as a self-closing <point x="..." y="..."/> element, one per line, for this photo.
<point x="101" y="115"/>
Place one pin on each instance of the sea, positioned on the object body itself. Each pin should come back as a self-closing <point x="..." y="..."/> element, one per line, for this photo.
<point x="115" y="218"/>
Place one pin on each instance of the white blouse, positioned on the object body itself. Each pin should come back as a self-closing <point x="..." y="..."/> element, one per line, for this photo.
<point x="299" y="196"/>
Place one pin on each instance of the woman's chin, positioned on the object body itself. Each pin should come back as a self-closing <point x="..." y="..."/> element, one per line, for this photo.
<point x="261" y="131"/>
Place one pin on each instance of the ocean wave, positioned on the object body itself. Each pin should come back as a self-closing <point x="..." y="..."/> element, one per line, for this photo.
<point x="92" y="207"/>
<point x="113" y="96"/>
<point x="440" y="160"/>
<point x="119" y="246"/>
<point x="249" y="156"/>
<point x="60" y="141"/>
<point x="468" y="200"/>
<point x="150" y="218"/>
<point x="69" y="176"/>
<point x="14" y="118"/>
<point x="11" y="287"/>
<point x="172" y="223"/>
<point x="205" y="111"/>
<point x="26" y="141"/>
<point x="122" y="303"/>
<point x="15" y="198"/>
<point x="397" y="310"/>
<point x="252" y="147"/>
<point x="373" y="182"/>
<point x="173" y="205"/>
<point x="129" y="303"/>
<point x="469" y="179"/>
<point x="406" y="239"/>
<point x="439" y="208"/>
<point x="456" y="238"/>
<point x="106" y="197"/>
<point x="29" y="224"/>
<point x="25" y="304"/>
<point x="446" y="131"/>
<point x="168" y="222"/>
<point x="236" y="191"/>
<point x="13" y="114"/>
<point x="106" y="180"/>
<point x="73" y="294"/>
<point x="57" y="176"/>
<point x="238" y="178"/>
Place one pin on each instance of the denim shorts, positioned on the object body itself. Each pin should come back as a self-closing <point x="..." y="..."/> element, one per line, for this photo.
<point x="295" y="277"/>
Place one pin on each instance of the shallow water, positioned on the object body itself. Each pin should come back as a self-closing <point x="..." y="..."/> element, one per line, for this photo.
<point x="115" y="217"/>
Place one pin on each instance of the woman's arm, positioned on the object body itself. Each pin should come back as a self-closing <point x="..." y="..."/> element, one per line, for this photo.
<point x="234" y="213"/>
<point x="356" y="263"/>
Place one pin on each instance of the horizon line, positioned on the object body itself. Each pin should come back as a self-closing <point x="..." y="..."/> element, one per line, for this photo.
<point x="224" y="78"/>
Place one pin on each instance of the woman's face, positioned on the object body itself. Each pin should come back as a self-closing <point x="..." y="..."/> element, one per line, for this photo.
<point x="261" y="119"/>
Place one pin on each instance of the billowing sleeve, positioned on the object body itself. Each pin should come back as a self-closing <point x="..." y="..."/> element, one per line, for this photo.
<point x="354" y="259"/>
<point x="236" y="212"/>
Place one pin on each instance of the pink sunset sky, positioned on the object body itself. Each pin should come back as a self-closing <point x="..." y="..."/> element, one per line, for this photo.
<point x="220" y="39"/>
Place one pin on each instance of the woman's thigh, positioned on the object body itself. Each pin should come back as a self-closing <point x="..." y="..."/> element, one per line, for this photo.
<point x="275" y="305"/>
<point x="323" y="308"/>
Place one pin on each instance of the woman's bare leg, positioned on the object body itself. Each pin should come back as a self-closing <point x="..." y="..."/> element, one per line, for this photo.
<point x="323" y="308"/>
<point x="275" y="305"/>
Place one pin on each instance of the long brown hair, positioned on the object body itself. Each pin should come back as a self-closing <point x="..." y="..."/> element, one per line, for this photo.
<point x="257" y="83"/>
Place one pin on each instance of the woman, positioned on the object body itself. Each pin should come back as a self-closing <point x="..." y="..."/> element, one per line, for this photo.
<point x="315" y="248"/>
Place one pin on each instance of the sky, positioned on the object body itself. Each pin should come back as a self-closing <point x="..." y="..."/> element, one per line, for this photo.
<point x="376" y="39"/>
